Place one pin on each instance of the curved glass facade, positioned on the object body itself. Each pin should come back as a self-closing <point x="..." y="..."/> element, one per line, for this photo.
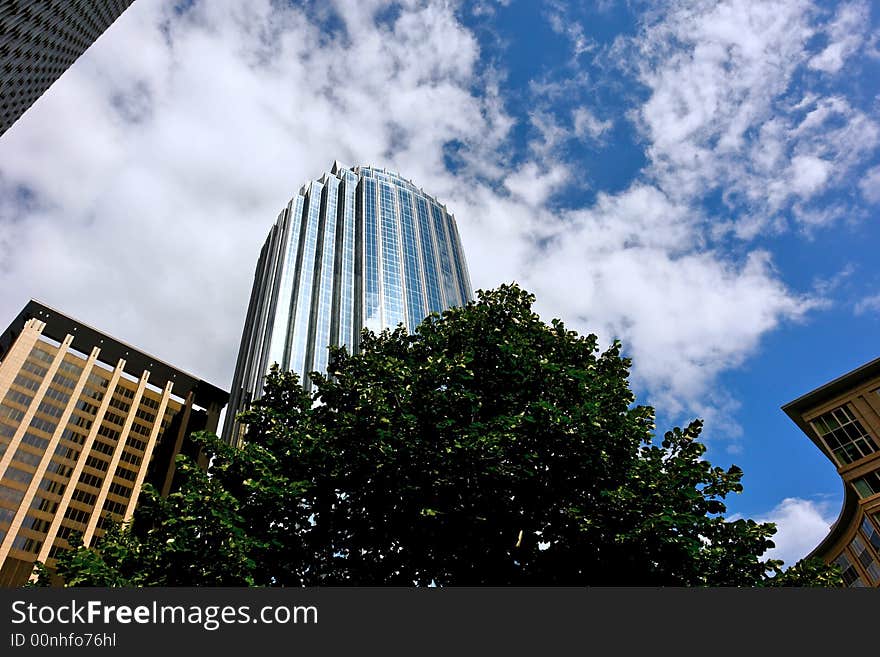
<point x="359" y="247"/>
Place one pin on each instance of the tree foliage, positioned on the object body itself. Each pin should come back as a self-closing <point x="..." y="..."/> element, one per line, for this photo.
<point x="489" y="448"/>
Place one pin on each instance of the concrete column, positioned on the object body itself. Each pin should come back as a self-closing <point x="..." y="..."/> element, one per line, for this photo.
<point x="34" y="486"/>
<point x="114" y="460"/>
<point x="35" y="402"/>
<point x="81" y="461"/>
<point x="178" y="443"/>
<point x="148" y="453"/>
<point x="21" y="348"/>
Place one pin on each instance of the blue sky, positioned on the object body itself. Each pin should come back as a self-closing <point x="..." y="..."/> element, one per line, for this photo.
<point x="699" y="179"/>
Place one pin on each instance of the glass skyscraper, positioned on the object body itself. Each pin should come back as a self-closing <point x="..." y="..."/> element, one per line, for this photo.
<point x="358" y="247"/>
<point x="41" y="40"/>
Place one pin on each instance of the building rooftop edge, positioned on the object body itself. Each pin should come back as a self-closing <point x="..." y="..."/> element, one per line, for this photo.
<point x="836" y="386"/>
<point x="337" y="168"/>
<point x="59" y="324"/>
<point x="848" y="511"/>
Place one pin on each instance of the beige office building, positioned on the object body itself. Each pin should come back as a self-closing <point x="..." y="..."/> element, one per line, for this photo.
<point x="843" y="419"/>
<point x="85" y="420"/>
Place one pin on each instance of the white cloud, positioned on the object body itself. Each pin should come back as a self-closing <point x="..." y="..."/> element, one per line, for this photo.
<point x="534" y="186"/>
<point x="580" y="43"/>
<point x="631" y="269"/>
<point x="720" y="115"/>
<point x="870" y="185"/>
<point x="639" y="264"/>
<point x="487" y="7"/>
<point x="587" y="125"/>
<point x="809" y="174"/>
<point x="868" y="305"/>
<point x="800" y="527"/>
<point x="550" y="136"/>
<point x="723" y="116"/>
<point x="826" y="146"/>
<point x="845" y="35"/>
<point x="872" y="47"/>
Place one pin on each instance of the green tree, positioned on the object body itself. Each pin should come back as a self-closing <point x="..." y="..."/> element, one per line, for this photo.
<point x="195" y="537"/>
<point x="487" y="448"/>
